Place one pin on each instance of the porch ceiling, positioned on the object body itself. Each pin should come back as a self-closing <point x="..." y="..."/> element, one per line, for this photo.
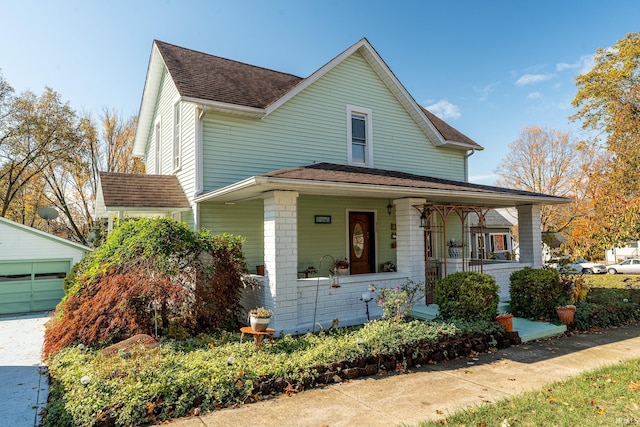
<point x="328" y="179"/>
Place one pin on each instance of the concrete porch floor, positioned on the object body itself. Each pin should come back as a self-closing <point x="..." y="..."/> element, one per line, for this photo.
<point x="527" y="329"/>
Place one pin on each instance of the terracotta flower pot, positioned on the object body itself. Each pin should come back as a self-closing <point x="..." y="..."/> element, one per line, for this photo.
<point x="506" y="320"/>
<point x="566" y="314"/>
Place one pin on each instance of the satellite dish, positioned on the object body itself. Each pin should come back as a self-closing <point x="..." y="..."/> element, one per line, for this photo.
<point x="47" y="214"/>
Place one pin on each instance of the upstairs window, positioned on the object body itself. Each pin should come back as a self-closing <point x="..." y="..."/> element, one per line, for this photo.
<point x="359" y="140"/>
<point x="158" y="147"/>
<point x="176" y="136"/>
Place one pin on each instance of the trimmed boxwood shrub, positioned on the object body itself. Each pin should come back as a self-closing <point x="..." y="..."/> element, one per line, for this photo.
<point x="468" y="296"/>
<point x="535" y="293"/>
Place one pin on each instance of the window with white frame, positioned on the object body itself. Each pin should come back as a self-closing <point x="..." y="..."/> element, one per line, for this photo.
<point x="176" y="136"/>
<point x="157" y="137"/>
<point x="499" y="242"/>
<point x="359" y="136"/>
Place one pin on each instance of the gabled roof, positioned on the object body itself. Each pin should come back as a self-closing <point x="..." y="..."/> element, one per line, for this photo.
<point x="131" y="192"/>
<point x="492" y="218"/>
<point x="235" y="87"/>
<point x="43" y="234"/>
<point x="354" y="181"/>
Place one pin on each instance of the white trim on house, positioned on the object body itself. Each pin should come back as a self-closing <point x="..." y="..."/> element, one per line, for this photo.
<point x="157" y="65"/>
<point x="367" y="116"/>
<point x="255" y="186"/>
<point x="157" y="137"/>
<point x="176" y="137"/>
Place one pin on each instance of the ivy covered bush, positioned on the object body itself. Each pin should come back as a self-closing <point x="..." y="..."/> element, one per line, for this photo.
<point x="468" y="296"/>
<point x="209" y="372"/>
<point x="535" y="293"/>
<point x="148" y="271"/>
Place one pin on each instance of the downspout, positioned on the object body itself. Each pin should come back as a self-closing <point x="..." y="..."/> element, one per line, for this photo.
<point x="466" y="164"/>
<point x="199" y="164"/>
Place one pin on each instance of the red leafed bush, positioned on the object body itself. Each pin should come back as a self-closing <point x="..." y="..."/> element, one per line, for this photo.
<point x="153" y="271"/>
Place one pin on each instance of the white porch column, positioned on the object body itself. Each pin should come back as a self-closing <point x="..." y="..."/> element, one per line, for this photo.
<point x="281" y="257"/>
<point x="410" y="239"/>
<point x="530" y="234"/>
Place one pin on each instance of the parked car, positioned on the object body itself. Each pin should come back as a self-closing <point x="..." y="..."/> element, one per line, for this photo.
<point x="564" y="265"/>
<point x="628" y="266"/>
<point x="586" y="267"/>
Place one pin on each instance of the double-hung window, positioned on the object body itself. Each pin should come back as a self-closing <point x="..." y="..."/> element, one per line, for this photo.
<point x="158" y="147"/>
<point x="359" y="138"/>
<point x="499" y="243"/>
<point x="176" y="136"/>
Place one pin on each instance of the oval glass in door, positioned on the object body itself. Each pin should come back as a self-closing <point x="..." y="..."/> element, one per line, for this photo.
<point x="358" y="240"/>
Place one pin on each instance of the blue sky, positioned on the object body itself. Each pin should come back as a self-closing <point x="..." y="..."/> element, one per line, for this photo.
<point x="489" y="68"/>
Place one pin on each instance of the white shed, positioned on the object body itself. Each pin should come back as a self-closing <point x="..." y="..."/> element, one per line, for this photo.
<point x="33" y="265"/>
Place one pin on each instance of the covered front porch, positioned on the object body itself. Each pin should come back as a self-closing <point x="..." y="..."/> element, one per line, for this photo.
<point x="299" y="221"/>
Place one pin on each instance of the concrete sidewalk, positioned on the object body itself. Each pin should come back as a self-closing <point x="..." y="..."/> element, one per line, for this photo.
<point x="434" y="391"/>
<point x="23" y="376"/>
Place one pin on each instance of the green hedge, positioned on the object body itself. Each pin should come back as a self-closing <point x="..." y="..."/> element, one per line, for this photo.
<point x="535" y="293"/>
<point x="468" y="296"/>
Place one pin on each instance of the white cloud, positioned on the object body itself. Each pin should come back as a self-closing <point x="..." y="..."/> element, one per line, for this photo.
<point x="485" y="91"/>
<point x="444" y="109"/>
<point x="534" y="95"/>
<point x="533" y="78"/>
<point x="584" y="64"/>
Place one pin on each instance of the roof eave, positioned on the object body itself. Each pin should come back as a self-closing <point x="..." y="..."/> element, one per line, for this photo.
<point x="149" y="97"/>
<point x="254" y="187"/>
<point x="223" y="107"/>
<point x="389" y="79"/>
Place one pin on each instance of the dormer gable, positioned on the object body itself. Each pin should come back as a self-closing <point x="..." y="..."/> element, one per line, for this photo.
<point x="237" y="88"/>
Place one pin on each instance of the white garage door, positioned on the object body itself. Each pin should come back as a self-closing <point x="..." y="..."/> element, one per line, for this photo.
<point x="27" y="286"/>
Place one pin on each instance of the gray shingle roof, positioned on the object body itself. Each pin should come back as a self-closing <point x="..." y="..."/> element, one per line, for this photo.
<point x="202" y="76"/>
<point x="142" y="191"/>
<point x="331" y="172"/>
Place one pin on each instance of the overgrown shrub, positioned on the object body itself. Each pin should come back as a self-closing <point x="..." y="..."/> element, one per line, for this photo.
<point x="147" y="271"/>
<point x="467" y="295"/>
<point x="174" y="379"/>
<point x="606" y="307"/>
<point x="535" y="293"/>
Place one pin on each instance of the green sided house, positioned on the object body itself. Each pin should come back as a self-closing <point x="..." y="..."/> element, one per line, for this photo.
<point x="341" y="164"/>
<point x="33" y="265"/>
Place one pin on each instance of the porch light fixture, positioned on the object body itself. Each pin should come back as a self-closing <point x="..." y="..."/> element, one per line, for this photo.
<point x="423" y="219"/>
<point x="389" y="208"/>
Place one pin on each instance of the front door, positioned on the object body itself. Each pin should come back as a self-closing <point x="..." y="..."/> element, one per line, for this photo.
<point x="362" y="242"/>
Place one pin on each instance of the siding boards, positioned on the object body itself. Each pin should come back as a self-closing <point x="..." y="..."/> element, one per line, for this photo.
<point x="317" y="240"/>
<point x="312" y="127"/>
<point x="243" y="219"/>
<point x="314" y="240"/>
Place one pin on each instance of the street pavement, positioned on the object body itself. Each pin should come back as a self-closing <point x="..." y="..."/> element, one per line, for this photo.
<point x="426" y="393"/>
<point x="434" y="391"/>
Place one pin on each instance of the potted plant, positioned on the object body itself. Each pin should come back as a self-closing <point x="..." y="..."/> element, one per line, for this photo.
<point x="575" y="290"/>
<point x="259" y="318"/>
<point x="566" y="313"/>
<point x="341" y="267"/>
<point x="506" y="320"/>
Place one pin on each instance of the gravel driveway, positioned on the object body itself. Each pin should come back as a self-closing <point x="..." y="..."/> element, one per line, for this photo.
<point x="23" y="376"/>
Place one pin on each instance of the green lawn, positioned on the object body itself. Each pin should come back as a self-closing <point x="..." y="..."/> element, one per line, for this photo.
<point x="613" y="280"/>
<point x="605" y="397"/>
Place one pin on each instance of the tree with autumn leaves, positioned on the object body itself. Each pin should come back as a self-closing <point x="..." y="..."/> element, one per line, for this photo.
<point x="50" y="157"/>
<point x="601" y="175"/>
<point x="608" y="102"/>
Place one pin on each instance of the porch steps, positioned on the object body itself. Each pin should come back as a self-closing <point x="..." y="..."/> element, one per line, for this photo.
<point x="527" y="329"/>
